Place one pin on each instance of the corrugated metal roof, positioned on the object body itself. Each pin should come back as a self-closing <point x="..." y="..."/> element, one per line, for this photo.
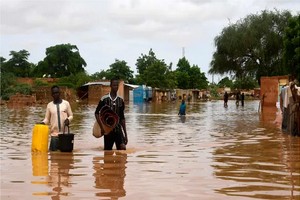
<point x="107" y="83"/>
<point x="131" y="85"/>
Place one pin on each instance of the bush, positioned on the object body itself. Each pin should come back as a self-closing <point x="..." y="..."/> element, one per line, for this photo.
<point x="23" y="89"/>
<point x="69" y="85"/>
<point x="213" y="91"/>
<point x="8" y="80"/>
<point x="17" y="88"/>
<point x="38" y="83"/>
<point x="76" y="80"/>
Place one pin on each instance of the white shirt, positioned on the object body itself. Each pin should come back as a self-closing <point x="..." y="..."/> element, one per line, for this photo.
<point x="51" y="118"/>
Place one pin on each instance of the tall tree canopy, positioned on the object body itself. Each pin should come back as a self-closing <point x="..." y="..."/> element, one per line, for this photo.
<point x="103" y="74"/>
<point x="158" y="75"/>
<point x="121" y="70"/>
<point x="225" y="82"/>
<point x="61" y="60"/>
<point x="292" y="47"/>
<point x="18" y="64"/>
<point x="154" y="72"/>
<point x="190" y="77"/>
<point x="118" y="69"/>
<point x="144" y="61"/>
<point x="252" y="47"/>
<point x="182" y="73"/>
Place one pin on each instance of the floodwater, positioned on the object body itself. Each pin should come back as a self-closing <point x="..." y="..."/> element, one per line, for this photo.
<point x="212" y="153"/>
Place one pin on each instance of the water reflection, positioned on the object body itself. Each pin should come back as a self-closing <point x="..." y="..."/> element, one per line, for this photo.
<point x="39" y="163"/>
<point x="182" y="118"/>
<point x="59" y="173"/>
<point x="262" y="172"/>
<point x="217" y="153"/>
<point x="110" y="174"/>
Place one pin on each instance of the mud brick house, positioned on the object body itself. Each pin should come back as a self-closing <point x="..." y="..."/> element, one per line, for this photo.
<point x="270" y="87"/>
<point x="270" y="90"/>
<point x="93" y="91"/>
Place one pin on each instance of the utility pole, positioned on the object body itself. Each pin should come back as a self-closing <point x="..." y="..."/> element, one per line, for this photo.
<point x="183" y="52"/>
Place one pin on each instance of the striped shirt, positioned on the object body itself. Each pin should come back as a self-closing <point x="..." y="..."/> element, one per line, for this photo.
<point x="117" y="105"/>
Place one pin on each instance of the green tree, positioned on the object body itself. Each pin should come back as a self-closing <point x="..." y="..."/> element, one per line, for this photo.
<point x="143" y="63"/>
<point x="18" y="64"/>
<point x="190" y="77"/>
<point x="292" y="47"/>
<point x="251" y="47"/>
<point x="75" y="80"/>
<point x="2" y="65"/>
<point x="121" y="70"/>
<point x="171" y="80"/>
<point x="225" y="82"/>
<point x="197" y="78"/>
<point x="245" y="83"/>
<point x="103" y="74"/>
<point x="60" y="61"/>
<point x="158" y="75"/>
<point x="182" y="72"/>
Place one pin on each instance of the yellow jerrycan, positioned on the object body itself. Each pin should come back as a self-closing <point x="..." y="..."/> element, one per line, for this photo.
<point x="40" y="135"/>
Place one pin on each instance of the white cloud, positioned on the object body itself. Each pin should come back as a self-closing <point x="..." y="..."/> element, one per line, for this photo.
<point x="104" y="30"/>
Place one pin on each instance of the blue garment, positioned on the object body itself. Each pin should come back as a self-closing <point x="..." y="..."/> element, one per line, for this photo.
<point x="182" y="109"/>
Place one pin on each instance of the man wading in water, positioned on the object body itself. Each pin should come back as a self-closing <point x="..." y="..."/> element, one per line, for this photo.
<point x="116" y="104"/>
<point x="58" y="115"/>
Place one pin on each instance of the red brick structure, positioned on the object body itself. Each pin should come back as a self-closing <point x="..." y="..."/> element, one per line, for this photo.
<point x="21" y="100"/>
<point x="270" y="89"/>
<point x="93" y="91"/>
<point x="43" y="94"/>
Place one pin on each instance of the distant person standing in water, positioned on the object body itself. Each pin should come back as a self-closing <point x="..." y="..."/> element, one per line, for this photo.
<point x="182" y="108"/>
<point x="237" y="98"/>
<point x="58" y="115"/>
<point x="242" y="98"/>
<point x="225" y="99"/>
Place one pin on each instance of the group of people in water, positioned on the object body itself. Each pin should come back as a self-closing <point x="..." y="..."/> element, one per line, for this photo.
<point x="59" y="115"/>
<point x="238" y="97"/>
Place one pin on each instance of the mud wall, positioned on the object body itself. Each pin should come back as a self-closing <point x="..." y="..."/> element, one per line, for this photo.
<point x="95" y="92"/>
<point x="270" y="89"/>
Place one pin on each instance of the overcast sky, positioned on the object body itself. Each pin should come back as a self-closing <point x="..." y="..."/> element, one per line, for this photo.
<point x="105" y="30"/>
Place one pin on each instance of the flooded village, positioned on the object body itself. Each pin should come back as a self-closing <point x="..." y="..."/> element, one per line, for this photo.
<point x="268" y="95"/>
<point x="151" y="100"/>
<point x="237" y="152"/>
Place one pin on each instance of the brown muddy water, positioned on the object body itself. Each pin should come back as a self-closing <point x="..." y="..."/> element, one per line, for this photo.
<point x="214" y="153"/>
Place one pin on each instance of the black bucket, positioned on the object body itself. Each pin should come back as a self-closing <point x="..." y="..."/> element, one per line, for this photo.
<point x="66" y="141"/>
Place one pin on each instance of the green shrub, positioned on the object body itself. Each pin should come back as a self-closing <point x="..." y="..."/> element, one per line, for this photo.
<point x="23" y="89"/>
<point x="76" y="80"/>
<point x="69" y="85"/>
<point x="14" y="89"/>
<point x="8" y="80"/>
<point x="213" y="91"/>
<point x="38" y="82"/>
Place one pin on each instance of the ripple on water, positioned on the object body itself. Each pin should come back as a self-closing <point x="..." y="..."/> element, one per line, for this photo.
<point x="213" y="153"/>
